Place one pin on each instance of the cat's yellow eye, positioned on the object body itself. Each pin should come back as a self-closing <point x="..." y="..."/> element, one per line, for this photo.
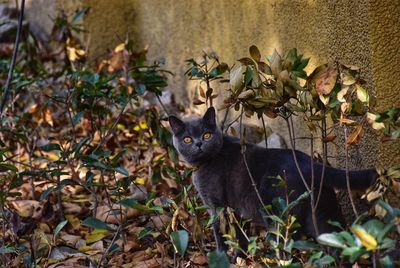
<point x="187" y="139"/>
<point x="207" y="136"/>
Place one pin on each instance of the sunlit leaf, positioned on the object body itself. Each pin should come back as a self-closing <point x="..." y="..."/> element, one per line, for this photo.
<point x="332" y="240"/>
<point x="367" y="240"/>
<point x="341" y="94"/>
<point x="236" y="78"/>
<point x="362" y="93"/>
<point x="356" y="135"/>
<point x="326" y="80"/>
<point x="276" y="63"/>
<point x="59" y="227"/>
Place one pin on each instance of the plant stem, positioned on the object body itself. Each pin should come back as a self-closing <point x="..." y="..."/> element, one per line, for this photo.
<point x="162" y="105"/>
<point x="325" y="157"/>
<point x="243" y="151"/>
<point x="224" y="120"/>
<point x="312" y="197"/>
<point x="265" y="132"/>
<point x="347" y="172"/>
<point x="13" y="59"/>
<point x="109" y="246"/>
<point x="295" y="157"/>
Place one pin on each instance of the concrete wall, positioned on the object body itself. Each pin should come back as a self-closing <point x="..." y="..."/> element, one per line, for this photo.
<point x="364" y="33"/>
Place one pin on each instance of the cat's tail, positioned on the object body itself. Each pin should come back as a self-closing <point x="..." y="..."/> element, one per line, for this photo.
<point x="336" y="178"/>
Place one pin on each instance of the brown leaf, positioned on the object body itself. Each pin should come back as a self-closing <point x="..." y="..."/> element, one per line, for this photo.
<point x="233" y="131"/>
<point x="356" y="135"/>
<point x="202" y="94"/>
<point x="209" y="92"/>
<point x="326" y="80"/>
<point x="199" y="259"/>
<point x="198" y="102"/>
<point x="270" y="113"/>
<point x="346" y="121"/>
<point x="329" y="138"/>
<point x="255" y="53"/>
<point x="47" y="117"/>
<point x="247" y="61"/>
<point x="263" y="67"/>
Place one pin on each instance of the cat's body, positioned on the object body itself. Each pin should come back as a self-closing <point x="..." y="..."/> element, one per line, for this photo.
<point x="222" y="180"/>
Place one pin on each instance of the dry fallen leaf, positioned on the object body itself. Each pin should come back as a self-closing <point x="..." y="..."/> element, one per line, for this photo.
<point x="356" y="135"/>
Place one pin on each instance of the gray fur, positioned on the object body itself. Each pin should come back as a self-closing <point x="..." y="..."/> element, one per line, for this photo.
<point x="223" y="181"/>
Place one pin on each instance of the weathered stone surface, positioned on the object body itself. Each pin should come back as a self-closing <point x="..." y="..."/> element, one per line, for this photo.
<point x="274" y="141"/>
<point x="254" y="133"/>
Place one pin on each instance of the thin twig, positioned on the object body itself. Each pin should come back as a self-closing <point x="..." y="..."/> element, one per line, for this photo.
<point x="225" y="117"/>
<point x="325" y="158"/>
<point x="346" y="147"/>
<point x="109" y="246"/>
<point x="265" y="132"/>
<point x="243" y="151"/>
<point x="162" y="105"/>
<point x="13" y="59"/>
<point x="293" y="134"/>
<point x="312" y="197"/>
<point x="232" y="122"/>
<point x="295" y="157"/>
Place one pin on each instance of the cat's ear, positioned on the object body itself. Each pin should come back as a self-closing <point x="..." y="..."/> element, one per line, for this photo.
<point x="209" y="117"/>
<point x="176" y="124"/>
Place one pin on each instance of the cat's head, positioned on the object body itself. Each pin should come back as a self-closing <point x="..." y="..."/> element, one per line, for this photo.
<point x="197" y="140"/>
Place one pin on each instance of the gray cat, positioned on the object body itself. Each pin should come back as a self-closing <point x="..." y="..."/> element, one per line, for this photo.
<point x="222" y="179"/>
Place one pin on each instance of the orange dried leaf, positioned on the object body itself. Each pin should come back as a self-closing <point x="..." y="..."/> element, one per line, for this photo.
<point x="356" y="135"/>
<point x="329" y="138"/>
<point x="198" y="102"/>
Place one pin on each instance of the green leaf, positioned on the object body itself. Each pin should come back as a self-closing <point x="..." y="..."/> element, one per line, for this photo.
<point x="306" y="245"/>
<point x="353" y="253"/>
<point x="248" y="75"/>
<point x="45" y="193"/>
<point x="388" y="243"/>
<point x="218" y="259"/>
<point x="373" y="227"/>
<point x="59" y="227"/>
<point x="294" y="203"/>
<point x="349" y="238"/>
<point x="77" y="117"/>
<point x="122" y="170"/>
<point x="145" y="231"/>
<point x="276" y="219"/>
<point x="95" y="223"/>
<point x="5" y="167"/>
<point x="128" y="202"/>
<point x="332" y="240"/>
<point x="180" y="240"/>
<point x="383" y="232"/>
<point x="326" y="260"/>
<point x="387" y="262"/>
<point x="50" y="147"/>
<point x="7" y="250"/>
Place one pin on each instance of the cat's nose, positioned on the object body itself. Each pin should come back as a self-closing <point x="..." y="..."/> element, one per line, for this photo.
<point x="198" y="144"/>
